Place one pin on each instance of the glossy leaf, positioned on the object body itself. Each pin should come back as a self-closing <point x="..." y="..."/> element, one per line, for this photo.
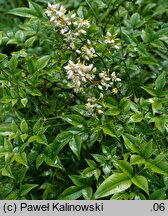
<point x="87" y="193"/>
<point x="75" y="145"/>
<point x="110" y="130"/>
<point x="26" y="188"/>
<point x="158" y="167"/>
<point x="147" y="149"/>
<point x="42" y="62"/>
<point x="113" y="184"/>
<point x="131" y="142"/>
<point x="23" y="12"/>
<point x="126" y="168"/>
<point x="60" y="141"/>
<point x="160" y="82"/>
<point x="159" y="194"/>
<point x="71" y="193"/>
<point x="75" y="120"/>
<point x="141" y="182"/>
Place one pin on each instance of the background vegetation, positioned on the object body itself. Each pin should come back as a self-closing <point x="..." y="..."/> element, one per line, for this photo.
<point x="104" y="141"/>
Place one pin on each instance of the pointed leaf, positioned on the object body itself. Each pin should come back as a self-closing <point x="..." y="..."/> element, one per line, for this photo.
<point x="110" y="130"/>
<point x="137" y="159"/>
<point x="158" y="167"/>
<point x="6" y="171"/>
<point x="71" y="193"/>
<point x="87" y="193"/>
<point x="23" y="12"/>
<point x="42" y="62"/>
<point x="131" y="142"/>
<point x="141" y="182"/>
<point x="39" y="160"/>
<point x="24" y="126"/>
<point x="60" y="141"/>
<point x="13" y="63"/>
<point x="75" y="145"/>
<point x="147" y="149"/>
<point x="25" y="189"/>
<point x="159" y="194"/>
<point x="160" y="82"/>
<point x="126" y="168"/>
<point x="75" y="120"/>
<point x="21" y="158"/>
<point x="113" y="184"/>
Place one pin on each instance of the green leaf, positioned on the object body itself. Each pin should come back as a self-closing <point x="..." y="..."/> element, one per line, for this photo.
<point x="148" y="35"/>
<point x="24" y="101"/>
<point x="54" y="162"/>
<point x="13" y="195"/>
<point x="113" y="184"/>
<point x="126" y="168"/>
<point x="24" y="126"/>
<point x="39" y="160"/>
<point x="137" y="159"/>
<point x="91" y="171"/>
<point x="8" y="146"/>
<point x="99" y="158"/>
<point x="124" y="104"/>
<point x="14" y="126"/>
<point x="160" y="123"/>
<point x="91" y="163"/>
<point x="37" y="8"/>
<point x="137" y="117"/>
<point x="147" y="149"/>
<point x="41" y="139"/>
<point x="113" y="111"/>
<point x="87" y="193"/>
<point x="131" y="142"/>
<point x="29" y="42"/>
<point x="20" y="174"/>
<point x="75" y="120"/>
<point x="21" y="158"/>
<point x="20" y="36"/>
<point x="60" y="141"/>
<point x="78" y="180"/>
<point x="150" y="90"/>
<point x="23" y="12"/>
<point x="158" y="167"/>
<point x="75" y="145"/>
<point x="141" y="182"/>
<point x="110" y="130"/>
<point x="42" y="62"/>
<point x="160" y="82"/>
<point x="71" y="193"/>
<point x="159" y="194"/>
<point x="6" y="171"/>
<point x="13" y="63"/>
<point x="26" y="188"/>
<point x="37" y="126"/>
<point x="81" y="109"/>
<point x="149" y="60"/>
<point x="135" y="21"/>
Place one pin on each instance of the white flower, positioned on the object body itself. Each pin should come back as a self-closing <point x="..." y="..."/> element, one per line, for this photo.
<point x="108" y="34"/>
<point x="73" y="16"/>
<point x="100" y="87"/>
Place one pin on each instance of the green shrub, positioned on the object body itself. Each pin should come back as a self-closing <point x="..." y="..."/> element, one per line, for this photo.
<point x="84" y="100"/>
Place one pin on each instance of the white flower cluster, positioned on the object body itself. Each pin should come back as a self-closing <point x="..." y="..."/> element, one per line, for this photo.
<point x="93" y="107"/>
<point x="69" y="25"/>
<point x="107" y="81"/>
<point x="82" y="74"/>
<point x="109" y="39"/>
<point x="79" y="73"/>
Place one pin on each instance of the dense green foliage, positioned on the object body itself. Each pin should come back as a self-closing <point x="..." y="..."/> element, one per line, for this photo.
<point x="89" y="139"/>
